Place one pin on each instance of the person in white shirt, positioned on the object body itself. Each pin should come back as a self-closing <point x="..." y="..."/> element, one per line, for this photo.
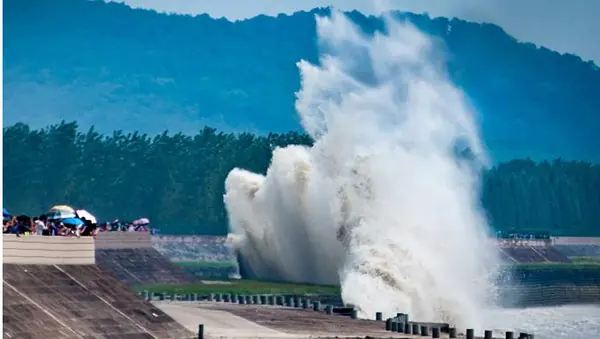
<point x="40" y="226"/>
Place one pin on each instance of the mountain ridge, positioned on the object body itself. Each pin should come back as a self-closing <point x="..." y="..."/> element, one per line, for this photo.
<point x="114" y="67"/>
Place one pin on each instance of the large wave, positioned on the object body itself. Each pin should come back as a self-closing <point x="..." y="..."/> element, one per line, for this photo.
<point x="385" y="202"/>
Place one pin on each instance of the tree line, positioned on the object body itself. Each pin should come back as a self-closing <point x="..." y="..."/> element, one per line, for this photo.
<point x="177" y="180"/>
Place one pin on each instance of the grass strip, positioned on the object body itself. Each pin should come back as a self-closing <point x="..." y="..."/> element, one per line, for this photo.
<point x="243" y="287"/>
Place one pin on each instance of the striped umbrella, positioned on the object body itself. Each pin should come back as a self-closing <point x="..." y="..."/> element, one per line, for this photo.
<point x="57" y="215"/>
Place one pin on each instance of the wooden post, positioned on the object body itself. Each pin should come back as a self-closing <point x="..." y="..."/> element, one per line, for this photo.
<point x="201" y="331"/>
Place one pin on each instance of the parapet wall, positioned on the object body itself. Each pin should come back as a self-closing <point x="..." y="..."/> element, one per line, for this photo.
<point x="40" y="250"/>
<point x="123" y="240"/>
<point x="576" y="241"/>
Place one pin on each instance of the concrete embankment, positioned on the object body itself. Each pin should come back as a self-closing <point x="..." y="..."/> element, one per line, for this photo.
<point x="52" y="289"/>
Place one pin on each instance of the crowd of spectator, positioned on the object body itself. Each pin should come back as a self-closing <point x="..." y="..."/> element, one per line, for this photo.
<point x="65" y="221"/>
<point x="520" y="239"/>
<point x="25" y="225"/>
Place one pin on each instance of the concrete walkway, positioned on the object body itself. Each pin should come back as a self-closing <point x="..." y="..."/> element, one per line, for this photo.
<point x="218" y="324"/>
<point x="233" y="321"/>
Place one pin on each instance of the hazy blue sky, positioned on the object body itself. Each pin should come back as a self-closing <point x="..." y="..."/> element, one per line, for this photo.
<point x="564" y="25"/>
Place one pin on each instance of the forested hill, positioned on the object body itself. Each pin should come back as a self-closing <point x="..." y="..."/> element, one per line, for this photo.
<point x="107" y="65"/>
<point x="178" y="181"/>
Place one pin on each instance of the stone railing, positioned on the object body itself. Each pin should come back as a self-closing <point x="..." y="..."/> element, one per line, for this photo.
<point x="40" y="250"/>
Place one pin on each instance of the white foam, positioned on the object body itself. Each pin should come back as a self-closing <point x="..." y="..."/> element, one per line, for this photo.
<point x="381" y="203"/>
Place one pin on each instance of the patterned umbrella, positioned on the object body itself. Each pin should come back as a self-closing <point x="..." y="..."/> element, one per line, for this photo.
<point x="57" y="215"/>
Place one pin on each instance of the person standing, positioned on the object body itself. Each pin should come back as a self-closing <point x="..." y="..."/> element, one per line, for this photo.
<point x="40" y="225"/>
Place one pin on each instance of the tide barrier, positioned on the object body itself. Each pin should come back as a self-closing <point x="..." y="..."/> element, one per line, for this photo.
<point x="40" y="250"/>
<point x="44" y="250"/>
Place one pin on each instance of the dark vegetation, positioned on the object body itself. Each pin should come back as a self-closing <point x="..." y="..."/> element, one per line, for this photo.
<point x="244" y="287"/>
<point x="178" y="181"/>
<point x="114" y="67"/>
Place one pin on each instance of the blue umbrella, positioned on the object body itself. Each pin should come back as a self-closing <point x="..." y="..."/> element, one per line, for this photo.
<point x="72" y="221"/>
<point x="6" y="214"/>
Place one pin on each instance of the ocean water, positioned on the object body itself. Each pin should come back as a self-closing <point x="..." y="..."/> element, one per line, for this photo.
<point x="561" y="322"/>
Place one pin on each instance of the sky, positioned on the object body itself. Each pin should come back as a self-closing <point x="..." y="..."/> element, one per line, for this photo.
<point x="567" y="26"/>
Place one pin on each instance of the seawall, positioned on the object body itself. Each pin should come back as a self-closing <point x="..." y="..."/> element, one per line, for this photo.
<point x="557" y="285"/>
<point x="131" y="258"/>
<point x="55" y="283"/>
<point x="128" y="256"/>
<point x="123" y="240"/>
<point x="40" y="250"/>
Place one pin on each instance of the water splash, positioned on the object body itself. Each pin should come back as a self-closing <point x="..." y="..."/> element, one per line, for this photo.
<point x="383" y="203"/>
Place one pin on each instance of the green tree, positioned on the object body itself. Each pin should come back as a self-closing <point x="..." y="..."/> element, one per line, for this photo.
<point x="178" y="180"/>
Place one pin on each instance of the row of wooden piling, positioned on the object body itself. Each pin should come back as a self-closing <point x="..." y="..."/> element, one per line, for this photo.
<point x="399" y="324"/>
<point x="273" y="300"/>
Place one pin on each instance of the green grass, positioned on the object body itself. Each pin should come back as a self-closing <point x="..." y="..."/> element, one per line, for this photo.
<point x="244" y="287"/>
<point x="265" y="287"/>
<point x="205" y="264"/>
<point x="577" y="263"/>
<point x="586" y="260"/>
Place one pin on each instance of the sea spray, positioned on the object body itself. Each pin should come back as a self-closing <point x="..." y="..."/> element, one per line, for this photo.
<point x="385" y="202"/>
